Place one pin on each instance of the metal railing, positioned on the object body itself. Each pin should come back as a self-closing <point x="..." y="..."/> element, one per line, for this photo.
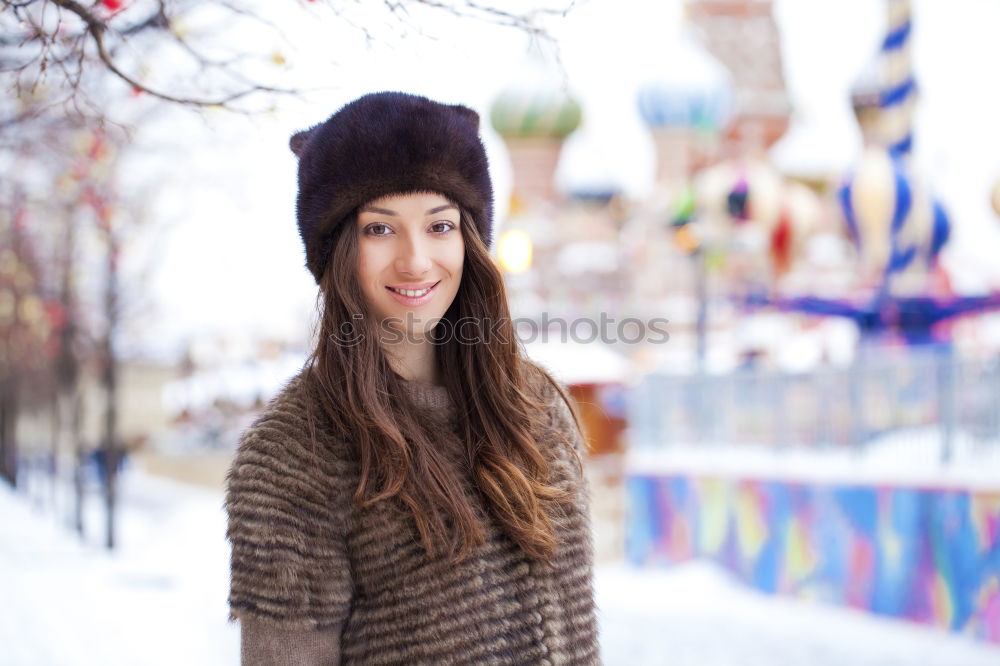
<point x="922" y="393"/>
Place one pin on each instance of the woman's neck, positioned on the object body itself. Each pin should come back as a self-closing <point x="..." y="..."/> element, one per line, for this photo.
<point x="414" y="361"/>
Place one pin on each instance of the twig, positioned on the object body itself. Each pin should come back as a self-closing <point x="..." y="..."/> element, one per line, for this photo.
<point x="97" y="28"/>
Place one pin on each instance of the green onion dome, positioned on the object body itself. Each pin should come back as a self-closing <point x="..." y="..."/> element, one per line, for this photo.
<point x="527" y="112"/>
<point x="536" y="103"/>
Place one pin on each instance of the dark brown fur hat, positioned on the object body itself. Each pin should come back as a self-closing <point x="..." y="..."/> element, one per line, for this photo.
<point x="387" y="143"/>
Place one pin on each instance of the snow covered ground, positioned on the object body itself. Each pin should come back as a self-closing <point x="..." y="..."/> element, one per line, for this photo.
<point x="907" y="456"/>
<point x="161" y="599"/>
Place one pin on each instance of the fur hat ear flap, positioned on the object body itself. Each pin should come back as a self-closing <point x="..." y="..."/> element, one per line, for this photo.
<point x="468" y="114"/>
<point x="298" y="141"/>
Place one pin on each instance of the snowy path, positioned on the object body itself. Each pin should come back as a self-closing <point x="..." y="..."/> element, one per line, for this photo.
<point x="694" y="615"/>
<point x="161" y="600"/>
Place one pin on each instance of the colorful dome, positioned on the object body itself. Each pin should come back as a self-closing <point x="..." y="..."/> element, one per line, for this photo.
<point x="695" y="90"/>
<point x="537" y="103"/>
<point x="519" y="113"/>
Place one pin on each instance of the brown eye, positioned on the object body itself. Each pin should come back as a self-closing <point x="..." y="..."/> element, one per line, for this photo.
<point x="442" y="227"/>
<point x="377" y="229"/>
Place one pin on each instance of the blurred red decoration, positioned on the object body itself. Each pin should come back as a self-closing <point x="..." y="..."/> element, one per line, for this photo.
<point x="90" y="197"/>
<point x="56" y="314"/>
<point x="97" y="148"/>
<point x="781" y="244"/>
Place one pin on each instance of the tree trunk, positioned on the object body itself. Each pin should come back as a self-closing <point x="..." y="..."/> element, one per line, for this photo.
<point x="8" y="432"/>
<point x="111" y="452"/>
<point x="76" y="414"/>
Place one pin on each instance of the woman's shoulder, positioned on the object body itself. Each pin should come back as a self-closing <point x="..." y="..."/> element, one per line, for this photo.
<point x="556" y="400"/>
<point x="282" y="424"/>
<point x="539" y="380"/>
<point x="543" y="385"/>
<point x="288" y="505"/>
<point x="282" y="448"/>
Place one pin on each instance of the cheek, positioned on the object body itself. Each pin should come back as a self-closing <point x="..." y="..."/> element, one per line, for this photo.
<point x="455" y="265"/>
<point x="370" y="263"/>
<point x="456" y="257"/>
<point x="369" y="270"/>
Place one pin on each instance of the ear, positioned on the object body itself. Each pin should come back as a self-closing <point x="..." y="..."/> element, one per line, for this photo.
<point x="468" y="114"/>
<point x="298" y="141"/>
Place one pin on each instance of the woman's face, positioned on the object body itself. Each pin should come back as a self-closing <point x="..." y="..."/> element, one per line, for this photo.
<point x="410" y="256"/>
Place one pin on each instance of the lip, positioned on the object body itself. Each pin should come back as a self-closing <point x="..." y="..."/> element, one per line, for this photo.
<point x="411" y="300"/>
<point x="414" y="285"/>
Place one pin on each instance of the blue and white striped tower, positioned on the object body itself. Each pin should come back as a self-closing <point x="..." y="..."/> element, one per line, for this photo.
<point x="898" y="94"/>
<point x="897" y="224"/>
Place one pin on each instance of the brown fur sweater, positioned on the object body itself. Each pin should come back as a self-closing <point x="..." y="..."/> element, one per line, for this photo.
<point x="306" y="560"/>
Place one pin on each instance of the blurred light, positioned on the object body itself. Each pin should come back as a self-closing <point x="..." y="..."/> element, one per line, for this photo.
<point x="30" y="309"/>
<point x="180" y="27"/>
<point x="996" y="197"/>
<point x="515" y="251"/>
<point x="687" y="239"/>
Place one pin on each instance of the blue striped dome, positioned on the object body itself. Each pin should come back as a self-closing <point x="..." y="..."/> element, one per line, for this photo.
<point x="694" y="91"/>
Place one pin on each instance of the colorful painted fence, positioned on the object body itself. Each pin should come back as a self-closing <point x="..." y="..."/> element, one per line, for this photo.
<point x="929" y="555"/>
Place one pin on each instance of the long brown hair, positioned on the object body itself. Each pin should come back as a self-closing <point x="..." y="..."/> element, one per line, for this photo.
<point x="498" y="415"/>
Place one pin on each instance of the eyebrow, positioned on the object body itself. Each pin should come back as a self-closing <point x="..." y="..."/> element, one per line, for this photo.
<point x="386" y="211"/>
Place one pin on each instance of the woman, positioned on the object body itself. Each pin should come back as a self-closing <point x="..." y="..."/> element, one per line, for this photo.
<point x="415" y="494"/>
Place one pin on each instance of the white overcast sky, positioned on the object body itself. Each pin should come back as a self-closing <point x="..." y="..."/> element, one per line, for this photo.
<point x="232" y="262"/>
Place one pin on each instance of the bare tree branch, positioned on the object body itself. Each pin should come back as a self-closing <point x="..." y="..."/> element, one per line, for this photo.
<point x="97" y="29"/>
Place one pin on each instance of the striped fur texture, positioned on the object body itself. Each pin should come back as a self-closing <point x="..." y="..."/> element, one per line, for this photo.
<point x="305" y="557"/>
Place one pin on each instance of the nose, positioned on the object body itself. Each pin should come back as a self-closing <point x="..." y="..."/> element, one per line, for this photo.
<point x="413" y="257"/>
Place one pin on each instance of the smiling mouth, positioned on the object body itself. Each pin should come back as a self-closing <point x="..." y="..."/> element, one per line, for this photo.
<point x="413" y="293"/>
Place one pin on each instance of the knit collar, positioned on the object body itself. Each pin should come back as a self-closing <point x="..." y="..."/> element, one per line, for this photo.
<point x="429" y="396"/>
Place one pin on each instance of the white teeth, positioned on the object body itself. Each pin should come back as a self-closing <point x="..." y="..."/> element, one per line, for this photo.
<point x="411" y="292"/>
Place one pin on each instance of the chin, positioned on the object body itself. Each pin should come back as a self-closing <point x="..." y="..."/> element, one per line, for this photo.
<point x="404" y="322"/>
